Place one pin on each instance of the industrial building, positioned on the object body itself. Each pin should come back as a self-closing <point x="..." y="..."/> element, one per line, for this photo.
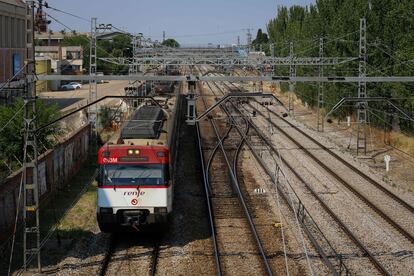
<point x="12" y="41"/>
<point x="65" y="59"/>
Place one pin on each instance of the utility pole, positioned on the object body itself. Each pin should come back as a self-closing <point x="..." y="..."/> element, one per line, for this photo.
<point x="31" y="223"/>
<point x="93" y="86"/>
<point x="249" y="39"/>
<point x="292" y="70"/>
<point x="143" y="45"/>
<point x="362" y="89"/>
<point x="133" y="70"/>
<point x="321" y="102"/>
<point x="272" y="53"/>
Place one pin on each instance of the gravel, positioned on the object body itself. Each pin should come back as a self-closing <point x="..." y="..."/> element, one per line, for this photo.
<point x="391" y="249"/>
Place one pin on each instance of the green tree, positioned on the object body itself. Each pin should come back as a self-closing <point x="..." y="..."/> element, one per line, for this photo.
<point x="106" y="114"/>
<point x="171" y="43"/>
<point x="120" y="46"/>
<point x="261" y="38"/>
<point x="123" y="42"/>
<point x="390" y="51"/>
<point x="11" y="139"/>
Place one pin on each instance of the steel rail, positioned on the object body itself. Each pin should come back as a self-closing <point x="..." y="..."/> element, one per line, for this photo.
<point x="212" y="155"/>
<point x="240" y="195"/>
<point x="154" y="259"/>
<point x="292" y="208"/>
<point x="349" y="165"/>
<point x="207" y="191"/>
<point x="375" y="183"/>
<point x="108" y="255"/>
<point x="363" y="198"/>
<point x="342" y="225"/>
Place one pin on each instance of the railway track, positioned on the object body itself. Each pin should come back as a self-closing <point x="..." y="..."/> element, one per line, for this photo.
<point x="342" y="225"/>
<point x="391" y="221"/>
<point x="331" y="171"/>
<point x="331" y="258"/>
<point x="115" y="245"/>
<point x="224" y="197"/>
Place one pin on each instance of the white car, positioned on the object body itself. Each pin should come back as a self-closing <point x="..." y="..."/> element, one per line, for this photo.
<point x="71" y="86"/>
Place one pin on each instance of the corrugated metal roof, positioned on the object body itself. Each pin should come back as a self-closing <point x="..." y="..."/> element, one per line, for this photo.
<point x="146" y="123"/>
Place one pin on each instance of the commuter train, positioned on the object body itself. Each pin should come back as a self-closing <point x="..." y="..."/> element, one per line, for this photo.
<point x="135" y="183"/>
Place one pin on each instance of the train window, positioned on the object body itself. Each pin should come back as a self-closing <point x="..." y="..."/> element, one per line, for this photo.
<point x="134" y="174"/>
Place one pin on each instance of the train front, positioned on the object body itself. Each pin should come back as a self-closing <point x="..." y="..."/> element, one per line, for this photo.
<point x="134" y="186"/>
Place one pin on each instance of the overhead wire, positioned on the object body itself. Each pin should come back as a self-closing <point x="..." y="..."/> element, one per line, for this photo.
<point x="280" y="165"/>
<point x="13" y="77"/>
<point x="68" y="13"/>
<point x="391" y="55"/>
<point x="61" y="23"/>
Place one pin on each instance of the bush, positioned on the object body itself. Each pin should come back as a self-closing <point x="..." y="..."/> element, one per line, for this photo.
<point x="11" y="138"/>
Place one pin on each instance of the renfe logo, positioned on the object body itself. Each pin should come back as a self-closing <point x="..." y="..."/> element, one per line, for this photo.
<point x="110" y="160"/>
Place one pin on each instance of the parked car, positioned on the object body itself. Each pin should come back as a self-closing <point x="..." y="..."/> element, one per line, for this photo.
<point x="100" y="74"/>
<point x="71" y="86"/>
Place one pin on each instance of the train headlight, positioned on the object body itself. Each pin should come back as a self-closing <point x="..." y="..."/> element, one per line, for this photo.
<point x="106" y="211"/>
<point x="133" y="152"/>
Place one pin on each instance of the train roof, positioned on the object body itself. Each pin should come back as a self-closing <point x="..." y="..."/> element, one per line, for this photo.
<point x="146" y="123"/>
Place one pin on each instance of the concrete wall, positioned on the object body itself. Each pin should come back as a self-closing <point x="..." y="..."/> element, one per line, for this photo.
<point x="56" y="168"/>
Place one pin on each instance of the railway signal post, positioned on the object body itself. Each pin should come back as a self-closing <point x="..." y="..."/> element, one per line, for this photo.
<point x="191" y="112"/>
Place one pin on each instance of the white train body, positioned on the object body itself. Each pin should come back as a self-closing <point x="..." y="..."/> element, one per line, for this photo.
<point x="135" y="183"/>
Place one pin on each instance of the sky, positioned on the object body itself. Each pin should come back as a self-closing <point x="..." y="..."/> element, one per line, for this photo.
<point x="190" y="22"/>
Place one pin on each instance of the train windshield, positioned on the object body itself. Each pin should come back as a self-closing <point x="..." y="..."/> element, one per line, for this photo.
<point x="134" y="174"/>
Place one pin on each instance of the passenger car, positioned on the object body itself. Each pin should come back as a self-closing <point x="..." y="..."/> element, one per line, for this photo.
<point x="71" y="86"/>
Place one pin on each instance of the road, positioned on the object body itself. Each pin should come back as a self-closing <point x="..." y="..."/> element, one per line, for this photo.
<point x="68" y="100"/>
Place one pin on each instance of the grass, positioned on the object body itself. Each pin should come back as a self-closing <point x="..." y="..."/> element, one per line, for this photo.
<point x="62" y="200"/>
<point x="76" y="222"/>
<point x="106" y="135"/>
<point x="403" y="142"/>
<point x="80" y="216"/>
